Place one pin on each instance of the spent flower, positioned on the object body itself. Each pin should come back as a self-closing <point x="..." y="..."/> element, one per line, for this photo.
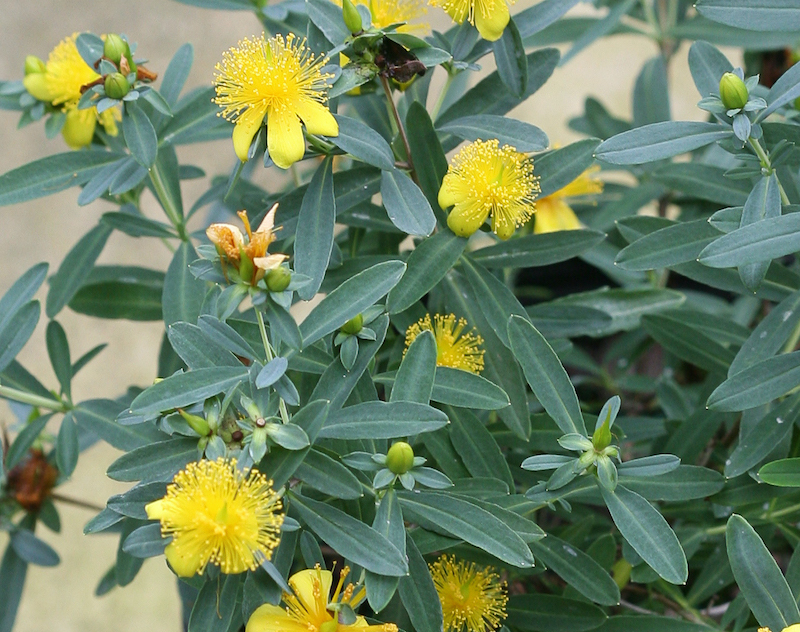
<point x="280" y="80"/>
<point x="454" y="348"/>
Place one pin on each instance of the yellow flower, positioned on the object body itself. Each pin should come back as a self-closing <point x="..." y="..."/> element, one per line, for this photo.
<point x="387" y="12"/>
<point x="795" y="627"/>
<point x="452" y="349"/>
<point x="307" y="609"/>
<point x="554" y="213"/>
<point x="216" y="513"/>
<point x="490" y="17"/>
<point x="60" y="84"/>
<point x="473" y="599"/>
<point x="485" y="179"/>
<point x="282" y="81"/>
<point x="251" y="259"/>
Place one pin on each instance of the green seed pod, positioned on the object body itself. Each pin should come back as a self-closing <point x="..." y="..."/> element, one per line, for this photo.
<point x="352" y="18"/>
<point x="33" y="65"/>
<point x="400" y="458"/>
<point x="353" y="326"/>
<point x="115" y="48"/>
<point x="116" y="85"/>
<point x="278" y="279"/>
<point x="732" y="91"/>
<point x="198" y="424"/>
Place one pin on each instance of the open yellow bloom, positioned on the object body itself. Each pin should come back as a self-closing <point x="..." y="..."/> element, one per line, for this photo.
<point x="553" y="213"/>
<point x="473" y="599"/>
<point x="250" y="258"/>
<point x="485" y="179"/>
<point x="307" y="608"/>
<point x="387" y="12"/>
<point x="279" y="79"/>
<point x="453" y="349"/>
<point x="60" y="84"/>
<point x="795" y="627"/>
<point x="490" y="17"/>
<point x="217" y="514"/>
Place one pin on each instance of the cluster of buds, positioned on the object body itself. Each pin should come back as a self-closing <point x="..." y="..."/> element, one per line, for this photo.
<point x="399" y="463"/>
<point x="737" y="102"/>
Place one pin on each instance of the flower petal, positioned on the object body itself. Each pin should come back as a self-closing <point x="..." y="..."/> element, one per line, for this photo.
<point x="268" y="223"/>
<point x="184" y="565"/>
<point x="78" y="129"/>
<point x="270" y="262"/>
<point x="466" y="218"/>
<point x="155" y="509"/>
<point x="317" y="118"/>
<point x="285" y="138"/>
<point x="449" y="194"/>
<point x="247" y="126"/>
<point x="554" y="215"/>
<point x="38" y="86"/>
<point x="269" y="618"/>
<point x="314" y="599"/>
<point x="492" y="21"/>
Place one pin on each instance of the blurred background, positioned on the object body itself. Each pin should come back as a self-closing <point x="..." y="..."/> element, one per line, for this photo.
<point x="63" y="598"/>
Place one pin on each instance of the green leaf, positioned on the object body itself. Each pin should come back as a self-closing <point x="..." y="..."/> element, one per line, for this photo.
<point x="477" y="447"/>
<point x="137" y="225"/>
<point x="418" y="592"/>
<point x="522" y="136"/>
<point x="197" y="349"/>
<point x="658" y="141"/>
<point x="314" y="237"/>
<point x="67" y="447"/>
<point x="99" y="417"/>
<point x="12" y="576"/>
<point x="679" y="243"/>
<point x="757" y="384"/>
<point x="140" y="135"/>
<point x="177" y="73"/>
<point x="427" y="264"/>
<point x="785" y="90"/>
<point x="382" y="420"/>
<point x="758" y="576"/>
<point x="688" y="482"/>
<point x="121" y="292"/>
<point x="21" y="292"/>
<point x="651" y="623"/>
<point x="704" y="182"/>
<point x="414" y="379"/>
<point x="430" y="162"/>
<point x="756" y="15"/>
<point x="322" y="472"/>
<point x="512" y="65"/>
<point x="557" y="168"/>
<point x="33" y="550"/>
<point x="406" y="205"/>
<point x="553" y="321"/>
<point x="687" y="343"/>
<point x="763" y="240"/>
<point x="762" y="438"/>
<point x="781" y="473"/>
<point x="468" y="522"/>
<point x="545" y="375"/>
<point x="168" y="173"/>
<point x="75" y="268"/>
<point x="651" y="93"/>
<point x="537" y="250"/>
<point x="58" y="351"/>
<point x="350" y="298"/>
<point x="52" y="174"/>
<point x="216" y="605"/>
<point x="577" y="569"/>
<point x="154" y="462"/>
<point x="184" y="389"/>
<point x="146" y="541"/>
<point x="183" y="294"/>
<point x="707" y="66"/>
<point x="350" y="537"/>
<point x="552" y="613"/>
<point x="194" y="119"/>
<point x="17" y="331"/>
<point x="363" y="142"/>
<point x="467" y="390"/>
<point x="648" y="533"/>
<point x="327" y="17"/>
<point x="389" y="523"/>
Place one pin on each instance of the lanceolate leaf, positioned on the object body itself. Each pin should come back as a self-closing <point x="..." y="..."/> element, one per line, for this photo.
<point x="314" y="237"/>
<point x="659" y="141"/>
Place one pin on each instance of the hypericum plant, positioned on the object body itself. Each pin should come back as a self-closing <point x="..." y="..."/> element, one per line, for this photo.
<point x="414" y="453"/>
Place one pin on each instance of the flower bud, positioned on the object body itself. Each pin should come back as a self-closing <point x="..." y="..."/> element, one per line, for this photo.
<point x="115" y="48"/>
<point x="352" y="18"/>
<point x="353" y="326"/>
<point x="400" y="458"/>
<point x="602" y="436"/>
<point x="732" y="91"/>
<point x="116" y="85"/>
<point x="278" y="279"/>
<point x="246" y="267"/>
<point x="198" y="424"/>
<point x="33" y="65"/>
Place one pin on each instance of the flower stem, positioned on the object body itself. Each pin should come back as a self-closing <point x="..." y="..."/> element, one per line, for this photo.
<point x="271" y="356"/>
<point x="34" y="400"/>
<point x="763" y="156"/>
<point x="400" y="128"/>
<point x="172" y="213"/>
<point x="443" y="95"/>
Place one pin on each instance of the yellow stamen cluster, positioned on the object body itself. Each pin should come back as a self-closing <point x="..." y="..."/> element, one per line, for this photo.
<point x="490" y="17"/>
<point x="485" y="180"/>
<point x="453" y="349"/>
<point x="217" y="514"/>
<point x="279" y="79"/>
<point x="473" y="599"/>
<point x="553" y="212"/>
<point x="309" y="606"/>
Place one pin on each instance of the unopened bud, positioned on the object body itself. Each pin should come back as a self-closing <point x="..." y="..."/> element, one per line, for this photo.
<point x="278" y="279"/>
<point x="400" y="458"/>
<point x="352" y="18"/>
<point x="353" y="326"/>
<point x="198" y="424"/>
<point x="33" y="65"/>
<point x="602" y="436"/>
<point x="115" y="48"/>
<point x="116" y="85"/>
<point x="732" y="91"/>
<point x="246" y="267"/>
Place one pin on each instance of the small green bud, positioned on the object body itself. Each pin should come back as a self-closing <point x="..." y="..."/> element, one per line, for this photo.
<point x="602" y="436"/>
<point x="247" y="269"/>
<point x="353" y="326"/>
<point x="797" y="103"/>
<point x="278" y="279"/>
<point x="621" y="572"/>
<point x="115" y="48"/>
<point x="732" y="91"/>
<point x="33" y="65"/>
<point x="352" y="18"/>
<point x="586" y="459"/>
<point x="198" y="424"/>
<point x="116" y="85"/>
<point x="400" y="458"/>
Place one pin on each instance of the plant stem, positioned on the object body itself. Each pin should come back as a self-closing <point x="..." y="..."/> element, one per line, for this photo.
<point x="442" y="95"/>
<point x="166" y="203"/>
<point x="271" y="356"/>
<point x="34" y="400"/>
<point x="76" y="502"/>
<point x="400" y="128"/>
<point x="763" y="156"/>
